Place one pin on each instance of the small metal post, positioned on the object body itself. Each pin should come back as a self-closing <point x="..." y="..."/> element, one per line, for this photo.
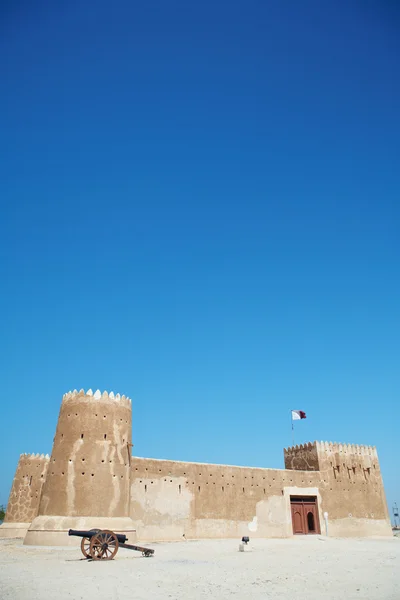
<point x="395" y="514"/>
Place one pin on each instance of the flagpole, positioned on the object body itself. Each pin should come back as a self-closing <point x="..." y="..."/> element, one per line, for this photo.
<point x="291" y="418"/>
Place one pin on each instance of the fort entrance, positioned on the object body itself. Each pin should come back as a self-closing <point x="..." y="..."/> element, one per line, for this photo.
<point x="304" y="515"/>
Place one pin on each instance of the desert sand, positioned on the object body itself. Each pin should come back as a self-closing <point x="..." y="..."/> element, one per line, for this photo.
<point x="309" y="568"/>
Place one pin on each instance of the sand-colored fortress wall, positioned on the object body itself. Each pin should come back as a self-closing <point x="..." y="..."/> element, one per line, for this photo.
<point x="92" y="481"/>
<point x="350" y="484"/>
<point x="172" y="499"/>
<point x="353" y="489"/>
<point x="88" y="478"/>
<point x="23" y="503"/>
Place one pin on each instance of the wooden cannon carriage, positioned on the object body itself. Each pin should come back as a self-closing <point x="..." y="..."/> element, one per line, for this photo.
<point x="102" y="544"/>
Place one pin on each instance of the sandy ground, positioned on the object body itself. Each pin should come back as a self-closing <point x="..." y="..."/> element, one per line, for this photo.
<point x="309" y="568"/>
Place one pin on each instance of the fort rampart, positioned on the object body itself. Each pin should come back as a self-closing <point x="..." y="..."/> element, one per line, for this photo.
<point x="171" y="499"/>
<point x="91" y="480"/>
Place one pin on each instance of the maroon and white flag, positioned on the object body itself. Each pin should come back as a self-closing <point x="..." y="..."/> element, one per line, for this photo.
<point x="298" y="414"/>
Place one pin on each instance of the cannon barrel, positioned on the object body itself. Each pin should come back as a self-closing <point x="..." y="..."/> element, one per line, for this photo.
<point x="89" y="534"/>
<point x="86" y="534"/>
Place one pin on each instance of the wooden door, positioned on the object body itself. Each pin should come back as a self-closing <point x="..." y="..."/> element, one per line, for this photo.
<point x="305" y="515"/>
<point x="298" y="518"/>
<point x="311" y="517"/>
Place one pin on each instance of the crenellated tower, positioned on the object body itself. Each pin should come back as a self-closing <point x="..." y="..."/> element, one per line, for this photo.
<point x="302" y="458"/>
<point x="333" y="456"/>
<point x="87" y="484"/>
<point x="350" y="482"/>
<point x="23" y="502"/>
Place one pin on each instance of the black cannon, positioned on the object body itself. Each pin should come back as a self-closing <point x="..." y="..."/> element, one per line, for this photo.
<point x="102" y="544"/>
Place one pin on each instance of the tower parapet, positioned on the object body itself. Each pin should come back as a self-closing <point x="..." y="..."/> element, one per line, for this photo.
<point x="26" y="489"/>
<point x="339" y="448"/>
<point x="87" y="484"/>
<point x="97" y="395"/>
<point x="317" y="456"/>
<point x="302" y="458"/>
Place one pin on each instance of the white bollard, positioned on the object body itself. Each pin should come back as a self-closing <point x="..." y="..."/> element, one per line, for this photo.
<point x="241" y="547"/>
<point x="326" y="523"/>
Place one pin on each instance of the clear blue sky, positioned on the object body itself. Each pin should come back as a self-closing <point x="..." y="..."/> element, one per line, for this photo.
<point x="200" y="209"/>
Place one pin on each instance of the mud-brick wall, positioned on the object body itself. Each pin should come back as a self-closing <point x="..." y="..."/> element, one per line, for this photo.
<point x="350" y="484"/>
<point x="171" y="499"/>
<point x="90" y="461"/>
<point x="23" y="503"/>
<point x="353" y="490"/>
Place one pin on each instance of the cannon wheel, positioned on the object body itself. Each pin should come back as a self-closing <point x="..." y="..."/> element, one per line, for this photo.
<point x="103" y="545"/>
<point x="85" y="545"/>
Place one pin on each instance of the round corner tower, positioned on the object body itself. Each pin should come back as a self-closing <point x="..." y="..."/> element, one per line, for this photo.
<point x="87" y="483"/>
<point x="23" y="502"/>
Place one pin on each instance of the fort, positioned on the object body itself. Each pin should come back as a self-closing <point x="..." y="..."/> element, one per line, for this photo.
<point x="92" y="480"/>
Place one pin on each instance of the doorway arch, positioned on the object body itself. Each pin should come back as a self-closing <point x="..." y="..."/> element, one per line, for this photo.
<point x="310" y="522"/>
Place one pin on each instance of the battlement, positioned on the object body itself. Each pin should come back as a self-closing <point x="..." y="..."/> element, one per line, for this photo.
<point x="296" y="449"/>
<point x="33" y="456"/>
<point x="312" y="455"/>
<point x="302" y="458"/>
<point x="333" y="447"/>
<point x="338" y="447"/>
<point x="97" y="395"/>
